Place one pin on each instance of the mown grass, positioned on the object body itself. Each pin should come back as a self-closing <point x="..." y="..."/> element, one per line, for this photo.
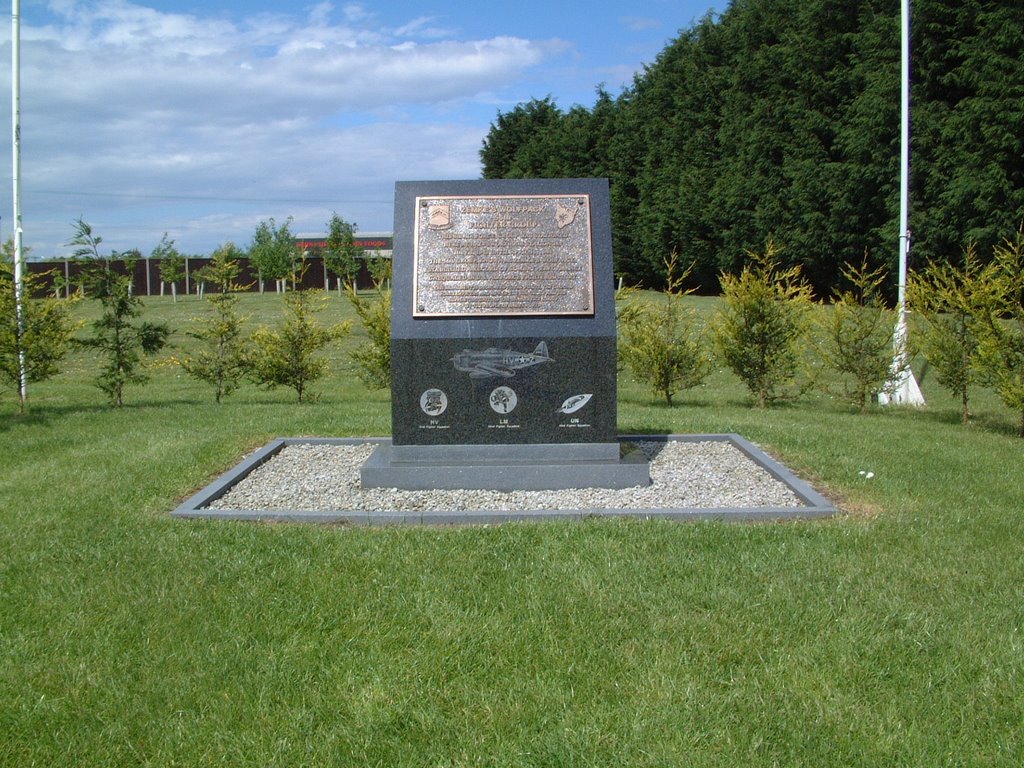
<point x="892" y="635"/>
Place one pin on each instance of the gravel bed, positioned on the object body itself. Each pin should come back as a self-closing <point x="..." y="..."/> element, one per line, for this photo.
<point x="686" y="475"/>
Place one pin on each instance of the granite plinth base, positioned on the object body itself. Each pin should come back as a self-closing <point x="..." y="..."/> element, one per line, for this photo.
<point x="539" y="467"/>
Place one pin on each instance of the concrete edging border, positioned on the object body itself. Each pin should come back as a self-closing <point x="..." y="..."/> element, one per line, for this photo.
<point x="196" y="506"/>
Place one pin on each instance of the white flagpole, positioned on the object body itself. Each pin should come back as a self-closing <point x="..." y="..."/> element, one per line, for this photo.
<point x="19" y="265"/>
<point x="902" y="388"/>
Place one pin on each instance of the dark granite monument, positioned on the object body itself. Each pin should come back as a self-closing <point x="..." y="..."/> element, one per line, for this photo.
<point x="503" y="353"/>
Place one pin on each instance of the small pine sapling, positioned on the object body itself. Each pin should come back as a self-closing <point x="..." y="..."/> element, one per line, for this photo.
<point x="858" y="335"/>
<point x="119" y="341"/>
<point x="661" y="343"/>
<point x="290" y="355"/>
<point x="221" y="360"/>
<point x="627" y="309"/>
<point x="760" y="329"/>
<point x="43" y="336"/>
<point x="1001" y="335"/>
<point x="948" y="304"/>
<point x="373" y="360"/>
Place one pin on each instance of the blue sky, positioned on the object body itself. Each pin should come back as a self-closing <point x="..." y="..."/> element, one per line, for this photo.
<point x="199" y="119"/>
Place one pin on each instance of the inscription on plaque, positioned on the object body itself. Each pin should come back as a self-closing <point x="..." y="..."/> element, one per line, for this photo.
<point x="503" y="255"/>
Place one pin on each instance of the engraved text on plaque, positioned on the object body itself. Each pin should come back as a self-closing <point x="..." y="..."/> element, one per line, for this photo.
<point x="503" y="255"/>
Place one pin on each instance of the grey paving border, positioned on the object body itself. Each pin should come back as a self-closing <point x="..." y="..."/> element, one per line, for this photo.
<point x="197" y="506"/>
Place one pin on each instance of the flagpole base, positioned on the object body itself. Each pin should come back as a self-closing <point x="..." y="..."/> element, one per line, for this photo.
<point x="903" y="391"/>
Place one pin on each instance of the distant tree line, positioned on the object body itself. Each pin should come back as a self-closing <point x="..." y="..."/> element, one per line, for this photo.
<point x="779" y="120"/>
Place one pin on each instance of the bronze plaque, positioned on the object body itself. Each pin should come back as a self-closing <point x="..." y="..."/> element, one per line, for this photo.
<point x="503" y="255"/>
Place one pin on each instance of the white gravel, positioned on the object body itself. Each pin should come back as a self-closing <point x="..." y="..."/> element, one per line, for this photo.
<point x="686" y="475"/>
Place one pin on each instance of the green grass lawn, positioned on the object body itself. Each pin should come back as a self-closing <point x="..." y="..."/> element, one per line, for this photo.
<point x="891" y="635"/>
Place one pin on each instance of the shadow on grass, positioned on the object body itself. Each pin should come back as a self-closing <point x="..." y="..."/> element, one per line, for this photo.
<point x="994" y="422"/>
<point x="660" y="404"/>
<point x="986" y="420"/>
<point x="43" y="413"/>
<point x="646" y="429"/>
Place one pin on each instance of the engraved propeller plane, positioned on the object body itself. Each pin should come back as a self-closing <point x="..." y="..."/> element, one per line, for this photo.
<point x="499" y="362"/>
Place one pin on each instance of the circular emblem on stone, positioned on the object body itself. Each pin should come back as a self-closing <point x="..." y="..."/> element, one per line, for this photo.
<point x="503" y="400"/>
<point x="434" y="402"/>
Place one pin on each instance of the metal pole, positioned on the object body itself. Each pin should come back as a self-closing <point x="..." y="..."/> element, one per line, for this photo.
<point x="19" y="258"/>
<point x="904" y="162"/>
<point x="903" y="385"/>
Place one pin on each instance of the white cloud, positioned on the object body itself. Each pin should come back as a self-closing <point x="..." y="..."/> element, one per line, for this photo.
<point x="320" y="14"/>
<point x="120" y="99"/>
<point x="640" y="23"/>
<point x="423" y="27"/>
<point x="356" y="12"/>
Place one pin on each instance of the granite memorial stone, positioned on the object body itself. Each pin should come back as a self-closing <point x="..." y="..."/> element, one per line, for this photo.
<point x="503" y="339"/>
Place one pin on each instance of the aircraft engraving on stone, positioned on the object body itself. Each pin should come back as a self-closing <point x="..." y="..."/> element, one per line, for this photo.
<point x="574" y="403"/>
<point x="493" y="362"/>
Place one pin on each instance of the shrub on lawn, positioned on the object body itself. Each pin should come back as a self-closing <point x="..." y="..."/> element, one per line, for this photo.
<point x="949" y="306"/>
<point x="43" y="336"/>
<point x="119" y="341"/>
<point x="857" y="336"/>
<point x="221" y="360"/>
<point x="373" y="360"/>
<point x="760" y="331"/>
<point x="1001" y="335"/>
<point x="661" y="343"/>
<point x="290" y="355"/>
